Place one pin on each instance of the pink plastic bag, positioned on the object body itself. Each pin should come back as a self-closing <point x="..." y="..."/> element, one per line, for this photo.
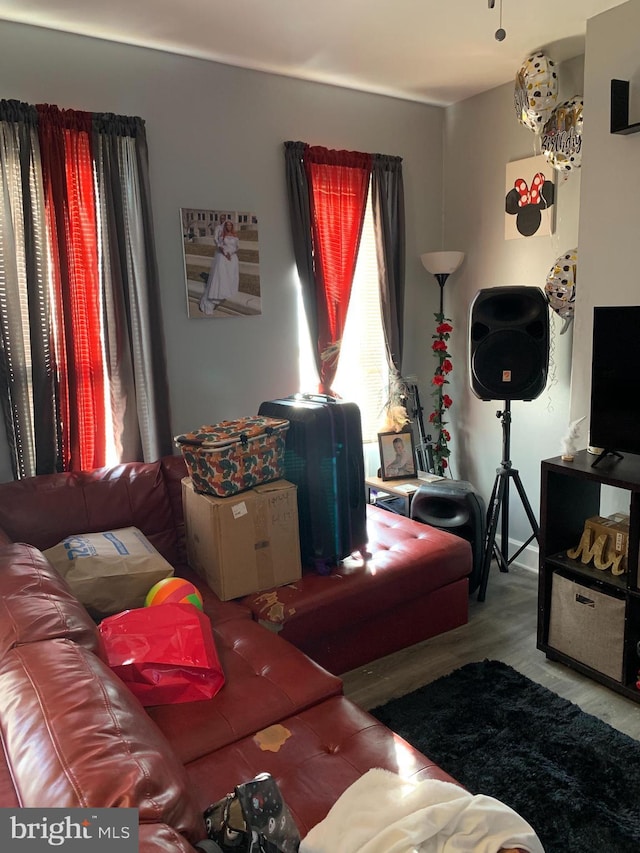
<point x="165" y="654"/>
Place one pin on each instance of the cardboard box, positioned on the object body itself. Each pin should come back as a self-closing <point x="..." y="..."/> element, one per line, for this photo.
<point x="244" y="543"/>
<point x="616" y="528"/>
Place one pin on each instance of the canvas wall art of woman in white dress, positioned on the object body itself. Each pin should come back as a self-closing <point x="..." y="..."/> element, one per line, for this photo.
<point x="224" y="278"/>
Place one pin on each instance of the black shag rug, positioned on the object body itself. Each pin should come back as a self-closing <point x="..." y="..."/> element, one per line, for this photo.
<point x="575" y="779"/>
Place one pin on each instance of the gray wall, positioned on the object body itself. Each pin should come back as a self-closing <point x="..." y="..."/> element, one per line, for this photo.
<point x="215" y="137"/>
<point x="609" y="213"/>
<point x="482" y="136"/>
<point x="597" y="210"/>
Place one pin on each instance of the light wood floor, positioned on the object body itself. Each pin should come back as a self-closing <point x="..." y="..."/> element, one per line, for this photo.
<point x="503" y="627"/>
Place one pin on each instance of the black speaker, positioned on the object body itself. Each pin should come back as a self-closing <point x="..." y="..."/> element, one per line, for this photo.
<point x="509" y="343"/>
<point x="454" y="506"/>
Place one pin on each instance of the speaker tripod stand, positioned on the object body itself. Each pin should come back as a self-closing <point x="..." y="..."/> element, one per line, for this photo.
<point x="499" y="508"/>
<point x="424" y="452"/>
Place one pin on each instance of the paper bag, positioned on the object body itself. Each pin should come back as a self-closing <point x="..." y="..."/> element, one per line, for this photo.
<point x="110" y="571"/>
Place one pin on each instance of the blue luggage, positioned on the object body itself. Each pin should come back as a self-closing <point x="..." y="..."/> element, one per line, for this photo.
<point x="324" y="458"/>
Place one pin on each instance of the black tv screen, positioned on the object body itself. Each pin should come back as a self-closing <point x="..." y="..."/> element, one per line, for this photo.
<point x="615" y="379"/>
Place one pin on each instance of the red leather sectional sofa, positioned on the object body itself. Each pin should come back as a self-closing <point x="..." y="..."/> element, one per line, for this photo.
<point x="72" y="733"/>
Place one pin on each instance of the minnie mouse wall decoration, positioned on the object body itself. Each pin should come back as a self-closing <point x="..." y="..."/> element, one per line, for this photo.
<point x="527" y="200"/>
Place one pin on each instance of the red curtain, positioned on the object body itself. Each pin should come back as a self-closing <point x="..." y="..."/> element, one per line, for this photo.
<point x="65" y="143"/>
<point x="338" y="186"/>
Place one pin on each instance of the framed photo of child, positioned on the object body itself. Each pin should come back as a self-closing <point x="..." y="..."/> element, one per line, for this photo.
<point x="397" y="455"/>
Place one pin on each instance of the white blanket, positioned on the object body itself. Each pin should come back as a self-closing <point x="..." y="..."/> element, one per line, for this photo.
<point x="383" y="813"/>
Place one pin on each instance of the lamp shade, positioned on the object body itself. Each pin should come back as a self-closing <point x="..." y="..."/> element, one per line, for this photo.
<point x="438" y="263"/>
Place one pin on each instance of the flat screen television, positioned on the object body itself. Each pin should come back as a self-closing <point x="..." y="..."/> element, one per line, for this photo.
<point x="615" y="380"/>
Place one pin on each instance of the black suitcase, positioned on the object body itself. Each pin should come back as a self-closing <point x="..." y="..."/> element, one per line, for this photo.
<point x="324" y="458"/>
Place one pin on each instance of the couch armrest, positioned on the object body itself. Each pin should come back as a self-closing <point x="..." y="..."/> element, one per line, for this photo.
<point x="74" y="736"/>
<point x="36" y="603"/>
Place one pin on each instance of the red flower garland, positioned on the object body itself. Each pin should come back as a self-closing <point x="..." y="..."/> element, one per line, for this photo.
<point x="443" y="401"/>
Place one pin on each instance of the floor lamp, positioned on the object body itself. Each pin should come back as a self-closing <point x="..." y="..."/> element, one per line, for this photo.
<point x="441" y="265"/>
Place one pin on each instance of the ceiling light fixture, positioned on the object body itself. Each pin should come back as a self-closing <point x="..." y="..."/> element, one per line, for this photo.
<point x="501" y="34"/>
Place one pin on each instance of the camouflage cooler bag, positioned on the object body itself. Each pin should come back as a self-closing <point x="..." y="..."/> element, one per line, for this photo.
<point x="233" y="456"/>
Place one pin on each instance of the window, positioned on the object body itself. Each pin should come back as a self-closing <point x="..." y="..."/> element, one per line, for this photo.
<point x="79" y="306"/>
<point x="331" y="195"/>
<point x="363" y="372"/>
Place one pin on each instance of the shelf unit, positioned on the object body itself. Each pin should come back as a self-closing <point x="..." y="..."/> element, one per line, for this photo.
<point x="570" y="493"/>
<point x="620" y="109"/>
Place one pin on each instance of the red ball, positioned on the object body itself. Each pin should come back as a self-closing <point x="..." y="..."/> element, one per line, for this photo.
<point x="173" y="591"/>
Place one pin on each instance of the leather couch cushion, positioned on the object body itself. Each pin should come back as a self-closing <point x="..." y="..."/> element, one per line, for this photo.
<point x="45" y="509"/>
<point x="160" y="838"/>
<point x="8" y="794"/>
<point x="36" y="603"/>
<point x="73" y="735"/>
<point x="407" y="561"/>
<point x="266" y="679"/>
<point x="314" y="756"/>
<point x="217" y="610"/>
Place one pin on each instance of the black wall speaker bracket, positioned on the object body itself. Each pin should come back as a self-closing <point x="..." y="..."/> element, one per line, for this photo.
<point x="620" y="109"/>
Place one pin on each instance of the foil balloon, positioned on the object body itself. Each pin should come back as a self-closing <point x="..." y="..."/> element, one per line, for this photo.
<point x="536" y="91"/>
<point x="560" y="287"/>
<point x="562" y="136"/>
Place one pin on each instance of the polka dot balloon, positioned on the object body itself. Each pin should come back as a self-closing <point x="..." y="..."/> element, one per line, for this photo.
<point x="536" y="91"/>
<point x="560" y="287"/>
<point x="562" y="136"/>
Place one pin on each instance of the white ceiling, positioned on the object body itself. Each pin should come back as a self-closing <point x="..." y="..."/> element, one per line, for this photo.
<point x="434" y="51"/>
